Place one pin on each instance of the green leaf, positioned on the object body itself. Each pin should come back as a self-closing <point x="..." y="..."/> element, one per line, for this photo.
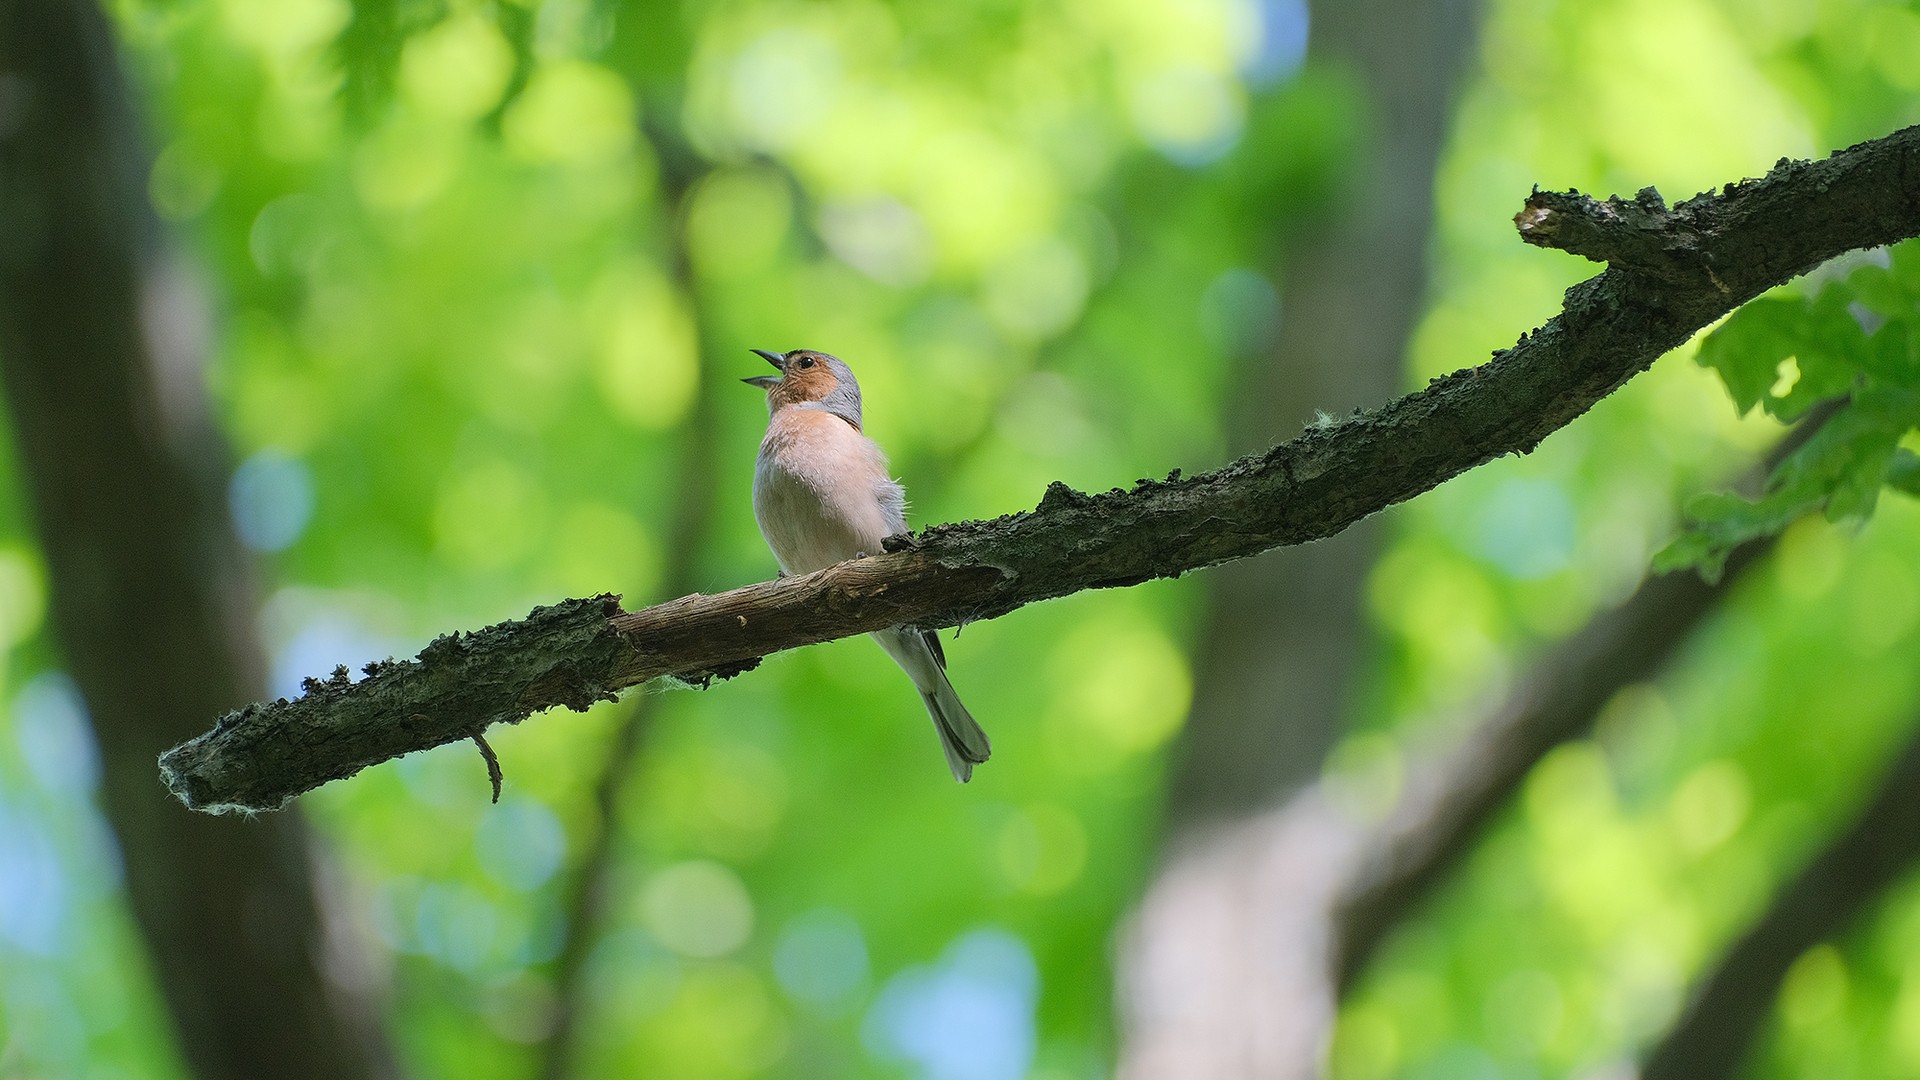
<point x="1722" y="521"/>
<point x="1903" y="263"/>
<point x="1840" y="470"/>
<point x="1820" y="335"/>
<point x="1830" y="351"/>
<point x="1891" y="291"/>
<point x="1692" y="551"/>
<point x="1892" y="355"/>
<point x="1903" y="472"/>
<point x="1880" y="292"/>
<point x="1747" y="349"/>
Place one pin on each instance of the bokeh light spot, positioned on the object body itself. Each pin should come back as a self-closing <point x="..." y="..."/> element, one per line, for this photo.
<point x="1893" y="34"/>
<point x="632" y="975"/>
<point x="880" y="237"/>
<point x="572" y="113"/>
<point x="488" y="516"/>
<point x="1812" y="555"/>
<point x="287" y="27"/>
<point x="1815" y="989"/>
<point x="979" y="197"/>
<point x="457" y="69"/>
<point x="969" y="1017"/>
<point x="781" y="85"/>
<point x="1280" y="43"/>
<point x="738" y="221"/>
<point x="33" y="886"/>
<point x="1037" y="291"/>
<point x="455" y="925"/>
<point x="1709" y="806"/>
<point x="1191" y="115"/>
<point x="1526" y="528"/>
<point x="271" y="499"/>
<point x="1240" y="313"/>
<point x="314" y="631"/>
<point x="649" y="361"/>
<point x="1525" y="1011"/>
<point x="520" y="844"/>
<point x="600" y="548"/>
<point x="182" y="182"/>
<point x="697" y="908"/>
<point x="55" y="736"/>
<point x="406" y="163"/>
<point x="1884" y="603"/>
<point x="1364" y="775"/>
<point x="287" y="234"/>
<point x="1906" y="1017"/>
<point x="821" y="958"/>
<point x="23" y="596"/>
<point x="1366" y="1043"/>
<point x="1125" y="687"/>
<point x="1042" y="849"/>
<point x="723" y="1024"/>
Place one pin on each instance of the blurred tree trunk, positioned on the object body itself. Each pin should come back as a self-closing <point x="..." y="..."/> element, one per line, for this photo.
<point x="1284" y="632"/>
<point x="152" y="604"/>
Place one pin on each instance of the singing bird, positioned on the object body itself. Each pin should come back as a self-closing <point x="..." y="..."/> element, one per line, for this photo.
<point x="822" y="495"/>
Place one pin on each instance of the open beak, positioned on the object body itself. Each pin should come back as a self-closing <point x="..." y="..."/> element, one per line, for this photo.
<point x="766" y="382"/>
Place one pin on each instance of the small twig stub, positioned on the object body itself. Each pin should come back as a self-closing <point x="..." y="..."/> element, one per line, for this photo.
<point x="493" y="764"/>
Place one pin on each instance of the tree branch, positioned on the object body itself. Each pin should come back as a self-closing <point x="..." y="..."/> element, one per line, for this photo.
<point x="1639" y="232"/>
<point x="1750" y="237"/>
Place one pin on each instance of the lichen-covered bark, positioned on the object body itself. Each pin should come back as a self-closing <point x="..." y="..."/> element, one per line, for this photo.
<point x="1747" y="239"/>
<point x="459" y="686"/>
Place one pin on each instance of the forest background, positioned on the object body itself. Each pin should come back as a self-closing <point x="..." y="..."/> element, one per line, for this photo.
<point x="464" y="289"/>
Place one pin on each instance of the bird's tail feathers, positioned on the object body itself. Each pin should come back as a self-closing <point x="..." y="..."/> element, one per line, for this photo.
<point x="919" y="654"/>
<point x="963" y="740"/>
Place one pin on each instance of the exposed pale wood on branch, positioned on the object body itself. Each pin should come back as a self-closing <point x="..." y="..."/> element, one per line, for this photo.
<point x="1746" y="239"/>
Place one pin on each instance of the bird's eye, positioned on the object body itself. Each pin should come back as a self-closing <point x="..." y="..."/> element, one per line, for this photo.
<point x="806" y="361"/>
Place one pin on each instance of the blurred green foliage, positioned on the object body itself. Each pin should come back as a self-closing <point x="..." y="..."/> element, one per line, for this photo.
<point x="1856" y="343"/>
<point x="461" y="325"/>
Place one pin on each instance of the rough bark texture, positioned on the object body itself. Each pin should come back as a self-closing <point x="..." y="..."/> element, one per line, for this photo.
<point x="1750" y="237"/>
<point x="149" y="603"/>
<point x="1714" y="1037"/>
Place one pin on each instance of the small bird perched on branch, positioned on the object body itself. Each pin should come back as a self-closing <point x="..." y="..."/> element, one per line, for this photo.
<point x="822" y="495"/>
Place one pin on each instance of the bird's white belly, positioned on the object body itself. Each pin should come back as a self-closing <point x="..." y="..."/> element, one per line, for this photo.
<point x="812" y="521"/>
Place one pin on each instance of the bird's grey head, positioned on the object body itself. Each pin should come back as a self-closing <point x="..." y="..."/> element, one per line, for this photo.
<point x="812" y="379"/>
